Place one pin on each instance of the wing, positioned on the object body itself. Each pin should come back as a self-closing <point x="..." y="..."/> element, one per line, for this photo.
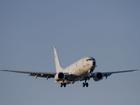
<point x="106" y="74"/>
<point x="36" y="74"/>
<point x="99" y="75"/>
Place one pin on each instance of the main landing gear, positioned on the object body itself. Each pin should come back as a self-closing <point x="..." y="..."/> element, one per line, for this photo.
<point x="63" y="85"/>
<point x="85" y="84"/>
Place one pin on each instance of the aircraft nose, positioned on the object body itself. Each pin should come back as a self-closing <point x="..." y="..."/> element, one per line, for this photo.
<point x="93" y="64"/>
<point x="94" y="61"/>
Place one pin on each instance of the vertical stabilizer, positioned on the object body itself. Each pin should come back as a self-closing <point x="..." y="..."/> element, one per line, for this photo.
<point x="56" y="61"/>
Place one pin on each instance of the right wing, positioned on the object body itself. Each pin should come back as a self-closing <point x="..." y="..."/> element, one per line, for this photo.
<point x="36" y="74"/>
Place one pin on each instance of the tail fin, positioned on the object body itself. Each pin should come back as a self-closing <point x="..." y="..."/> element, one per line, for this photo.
<point x="57" y="62"/>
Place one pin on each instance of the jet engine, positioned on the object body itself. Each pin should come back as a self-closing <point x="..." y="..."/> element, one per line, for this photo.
<point x="59" y="76"/>
<point x="97" y="76"/>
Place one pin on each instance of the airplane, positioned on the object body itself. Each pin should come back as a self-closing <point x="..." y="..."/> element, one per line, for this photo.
<point x="82" y="70"/>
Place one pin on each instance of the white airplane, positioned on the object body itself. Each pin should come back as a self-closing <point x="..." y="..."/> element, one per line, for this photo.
<point x="82" y="70"/>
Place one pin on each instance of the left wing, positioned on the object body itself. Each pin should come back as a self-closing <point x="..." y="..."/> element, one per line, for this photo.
<point x="99" y="75"/>
<point x="36" y="74"/>
<point x="106" y="74"/>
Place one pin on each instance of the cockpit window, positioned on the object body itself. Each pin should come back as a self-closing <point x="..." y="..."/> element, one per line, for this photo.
<point x="91" y="59"/>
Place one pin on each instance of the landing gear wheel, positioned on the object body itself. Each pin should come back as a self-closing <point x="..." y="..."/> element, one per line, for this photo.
<point x="85" y="84"/>
<point x="63" y="85"/>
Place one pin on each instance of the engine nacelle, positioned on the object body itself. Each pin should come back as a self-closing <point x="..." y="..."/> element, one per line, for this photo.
<point x="59" y="76"/>
<point x="97" y="76"/>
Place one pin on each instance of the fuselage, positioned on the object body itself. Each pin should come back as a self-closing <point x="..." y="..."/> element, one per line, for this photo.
<point x="80" y="68"/>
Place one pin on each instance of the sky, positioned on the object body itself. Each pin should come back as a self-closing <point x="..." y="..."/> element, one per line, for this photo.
<point x="108" y="30"/>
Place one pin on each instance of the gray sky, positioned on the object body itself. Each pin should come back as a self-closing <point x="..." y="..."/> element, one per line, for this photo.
<point x="108" y="30"/>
